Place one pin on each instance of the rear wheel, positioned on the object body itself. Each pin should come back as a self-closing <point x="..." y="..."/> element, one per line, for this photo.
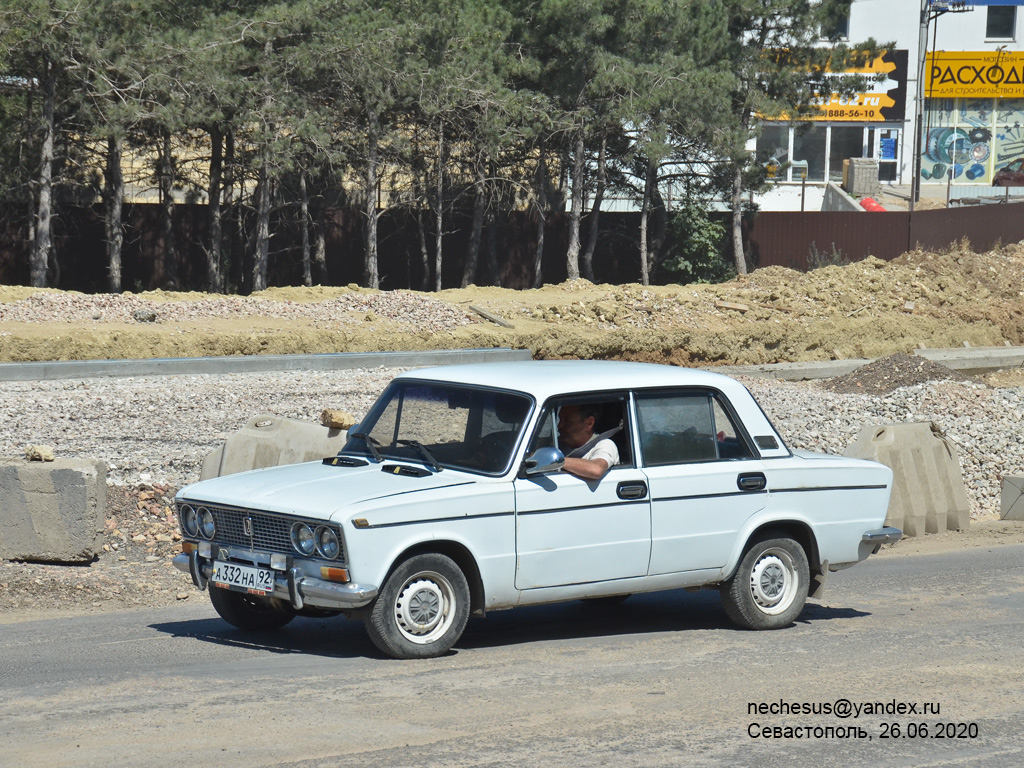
<point x="421" y="610"/>
<point x="770" y="586"/>
<point x="249" y="611"/>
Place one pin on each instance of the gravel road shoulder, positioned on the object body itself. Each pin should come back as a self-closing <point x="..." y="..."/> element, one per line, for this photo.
<point x="153" y="433"/>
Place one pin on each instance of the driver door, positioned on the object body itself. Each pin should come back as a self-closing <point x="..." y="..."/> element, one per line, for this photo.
<point x="570" y="531"/>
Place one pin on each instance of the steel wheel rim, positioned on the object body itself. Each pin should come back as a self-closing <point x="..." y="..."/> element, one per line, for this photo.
<point x="773" y="581"/>
<point x="424" y="608"/>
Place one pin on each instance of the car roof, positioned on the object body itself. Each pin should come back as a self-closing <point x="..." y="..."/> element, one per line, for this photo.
<point x="545" y="378"/>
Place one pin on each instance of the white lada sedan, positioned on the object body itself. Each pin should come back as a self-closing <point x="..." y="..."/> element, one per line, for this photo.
<point x="452" y="499"/>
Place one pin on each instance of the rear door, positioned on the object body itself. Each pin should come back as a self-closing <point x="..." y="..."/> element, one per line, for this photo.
<point x="705" y="477"/>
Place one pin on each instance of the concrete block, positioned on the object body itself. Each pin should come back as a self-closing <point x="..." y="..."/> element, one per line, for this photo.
<point x="928" y="493"/>
<point x="52" y="511"/>
<point x="269" y="441"/>
<point x="863" y="177"/>
<point x="1011" y="500"/>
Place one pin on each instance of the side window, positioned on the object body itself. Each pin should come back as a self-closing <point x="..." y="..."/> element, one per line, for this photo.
<point x="686" y="427"/>
<point x="611" y="419"/>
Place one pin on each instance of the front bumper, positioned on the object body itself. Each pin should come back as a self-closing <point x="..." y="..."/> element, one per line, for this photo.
<point x="292" y="585"/>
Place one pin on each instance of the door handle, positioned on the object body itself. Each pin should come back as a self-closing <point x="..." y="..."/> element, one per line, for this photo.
<point x="752" y="481"/>
<point x="632" y="490"/>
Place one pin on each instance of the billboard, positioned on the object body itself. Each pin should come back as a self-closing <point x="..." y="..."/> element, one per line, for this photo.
<point x="883" y="101"/>
<point x="975" y="74"/>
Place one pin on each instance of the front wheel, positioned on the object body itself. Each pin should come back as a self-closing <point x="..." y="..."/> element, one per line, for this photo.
<point x="770" y="586"/>
<point x="250" y="612"/>
<point x="422" y="609"/>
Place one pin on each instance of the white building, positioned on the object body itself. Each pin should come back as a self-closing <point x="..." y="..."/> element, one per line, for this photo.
<point x="971" y="115"/>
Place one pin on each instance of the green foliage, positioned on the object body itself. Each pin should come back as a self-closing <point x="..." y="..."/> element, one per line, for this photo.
<point x="432" y="103"/>
<point x="696" y="250"/>
<point x="831" y="258"/>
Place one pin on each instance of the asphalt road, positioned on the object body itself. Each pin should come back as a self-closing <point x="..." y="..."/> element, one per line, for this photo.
<point x="660" y="680"/>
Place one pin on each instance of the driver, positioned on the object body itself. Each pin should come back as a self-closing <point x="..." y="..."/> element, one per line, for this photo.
<point x="586" y="456"/>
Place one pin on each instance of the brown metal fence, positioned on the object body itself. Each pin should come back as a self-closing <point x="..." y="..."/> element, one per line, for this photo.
<point x="790" y="239"/>
<point x="772" y="238"/>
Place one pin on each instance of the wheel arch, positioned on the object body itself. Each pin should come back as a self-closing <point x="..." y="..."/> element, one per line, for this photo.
<point x="798" y="530"/>
<point x="462" y="557"/>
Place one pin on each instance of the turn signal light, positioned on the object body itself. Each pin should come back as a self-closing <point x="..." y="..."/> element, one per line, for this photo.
<point x="334" y="574"/>
<point x="188" y="547"/>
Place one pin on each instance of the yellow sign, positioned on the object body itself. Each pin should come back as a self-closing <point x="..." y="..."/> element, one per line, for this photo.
<point x="882" y="100"/>
<point x="861" y="107"/>
<point x="975" y="74"/>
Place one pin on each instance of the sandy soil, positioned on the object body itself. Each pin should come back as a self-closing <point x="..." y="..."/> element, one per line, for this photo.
<point x="865" y="310"/>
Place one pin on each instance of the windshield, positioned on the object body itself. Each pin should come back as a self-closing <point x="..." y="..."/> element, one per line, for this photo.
<point x="443" y="425"/>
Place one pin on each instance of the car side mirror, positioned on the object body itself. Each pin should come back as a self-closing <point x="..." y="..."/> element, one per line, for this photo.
<point x="353" y="430"/>
<point x="546" y="459"/>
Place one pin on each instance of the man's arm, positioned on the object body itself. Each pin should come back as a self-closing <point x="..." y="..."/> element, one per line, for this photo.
<point x="600" y="459"/>
<point x="587" y="469"/>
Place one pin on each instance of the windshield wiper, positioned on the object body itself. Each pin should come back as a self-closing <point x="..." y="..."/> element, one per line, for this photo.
<point x="370" y="443"/>
<point x="426" y="453"/>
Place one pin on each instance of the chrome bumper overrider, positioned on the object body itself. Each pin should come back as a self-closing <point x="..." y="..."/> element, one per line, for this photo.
<point x="297" y="588"/>
<point x="880" y="536"/>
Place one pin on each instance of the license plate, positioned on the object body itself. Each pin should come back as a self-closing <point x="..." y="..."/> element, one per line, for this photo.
<point x="242" y="577"/>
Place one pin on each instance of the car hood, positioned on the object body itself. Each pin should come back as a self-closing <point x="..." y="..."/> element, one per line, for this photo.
<point x="322" y="491"/>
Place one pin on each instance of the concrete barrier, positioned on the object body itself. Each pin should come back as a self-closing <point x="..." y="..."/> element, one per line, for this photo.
<point x="1011" y="498"/>
<point x="928" y="493"/>
<point x="268" y="441"/>
<point x="52" y="511"/>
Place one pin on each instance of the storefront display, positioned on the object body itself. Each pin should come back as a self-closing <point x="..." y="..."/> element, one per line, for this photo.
<point x="866" y="124"/>
<point x="974" y="116"/>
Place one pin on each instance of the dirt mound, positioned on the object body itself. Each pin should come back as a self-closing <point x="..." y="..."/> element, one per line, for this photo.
<point x="868" y="309"/>
<point x="890" y="373"/>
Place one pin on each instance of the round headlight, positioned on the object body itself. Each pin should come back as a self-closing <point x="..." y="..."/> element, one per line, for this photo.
<point x="327" y="543"/>
<point x="207" y="528"/>
<point x="303" y="539"/>
<point x="189" y="520"/>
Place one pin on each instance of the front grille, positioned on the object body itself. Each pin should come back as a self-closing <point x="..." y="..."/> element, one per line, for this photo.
<point x="270" y="532"/>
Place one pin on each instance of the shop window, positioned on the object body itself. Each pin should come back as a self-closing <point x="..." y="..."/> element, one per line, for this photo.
<point x="773" y="150"/>
<point x="1001" y="23"/>
<point x="1008" y="138"/>
<point x="846" y="143"/>
<point x="809" y="144"/>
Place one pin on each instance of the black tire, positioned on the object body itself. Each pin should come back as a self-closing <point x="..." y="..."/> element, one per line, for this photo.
<point x="422" y="609"/>
<point x="250" y="612"/>
<point x="769" y="589"/>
